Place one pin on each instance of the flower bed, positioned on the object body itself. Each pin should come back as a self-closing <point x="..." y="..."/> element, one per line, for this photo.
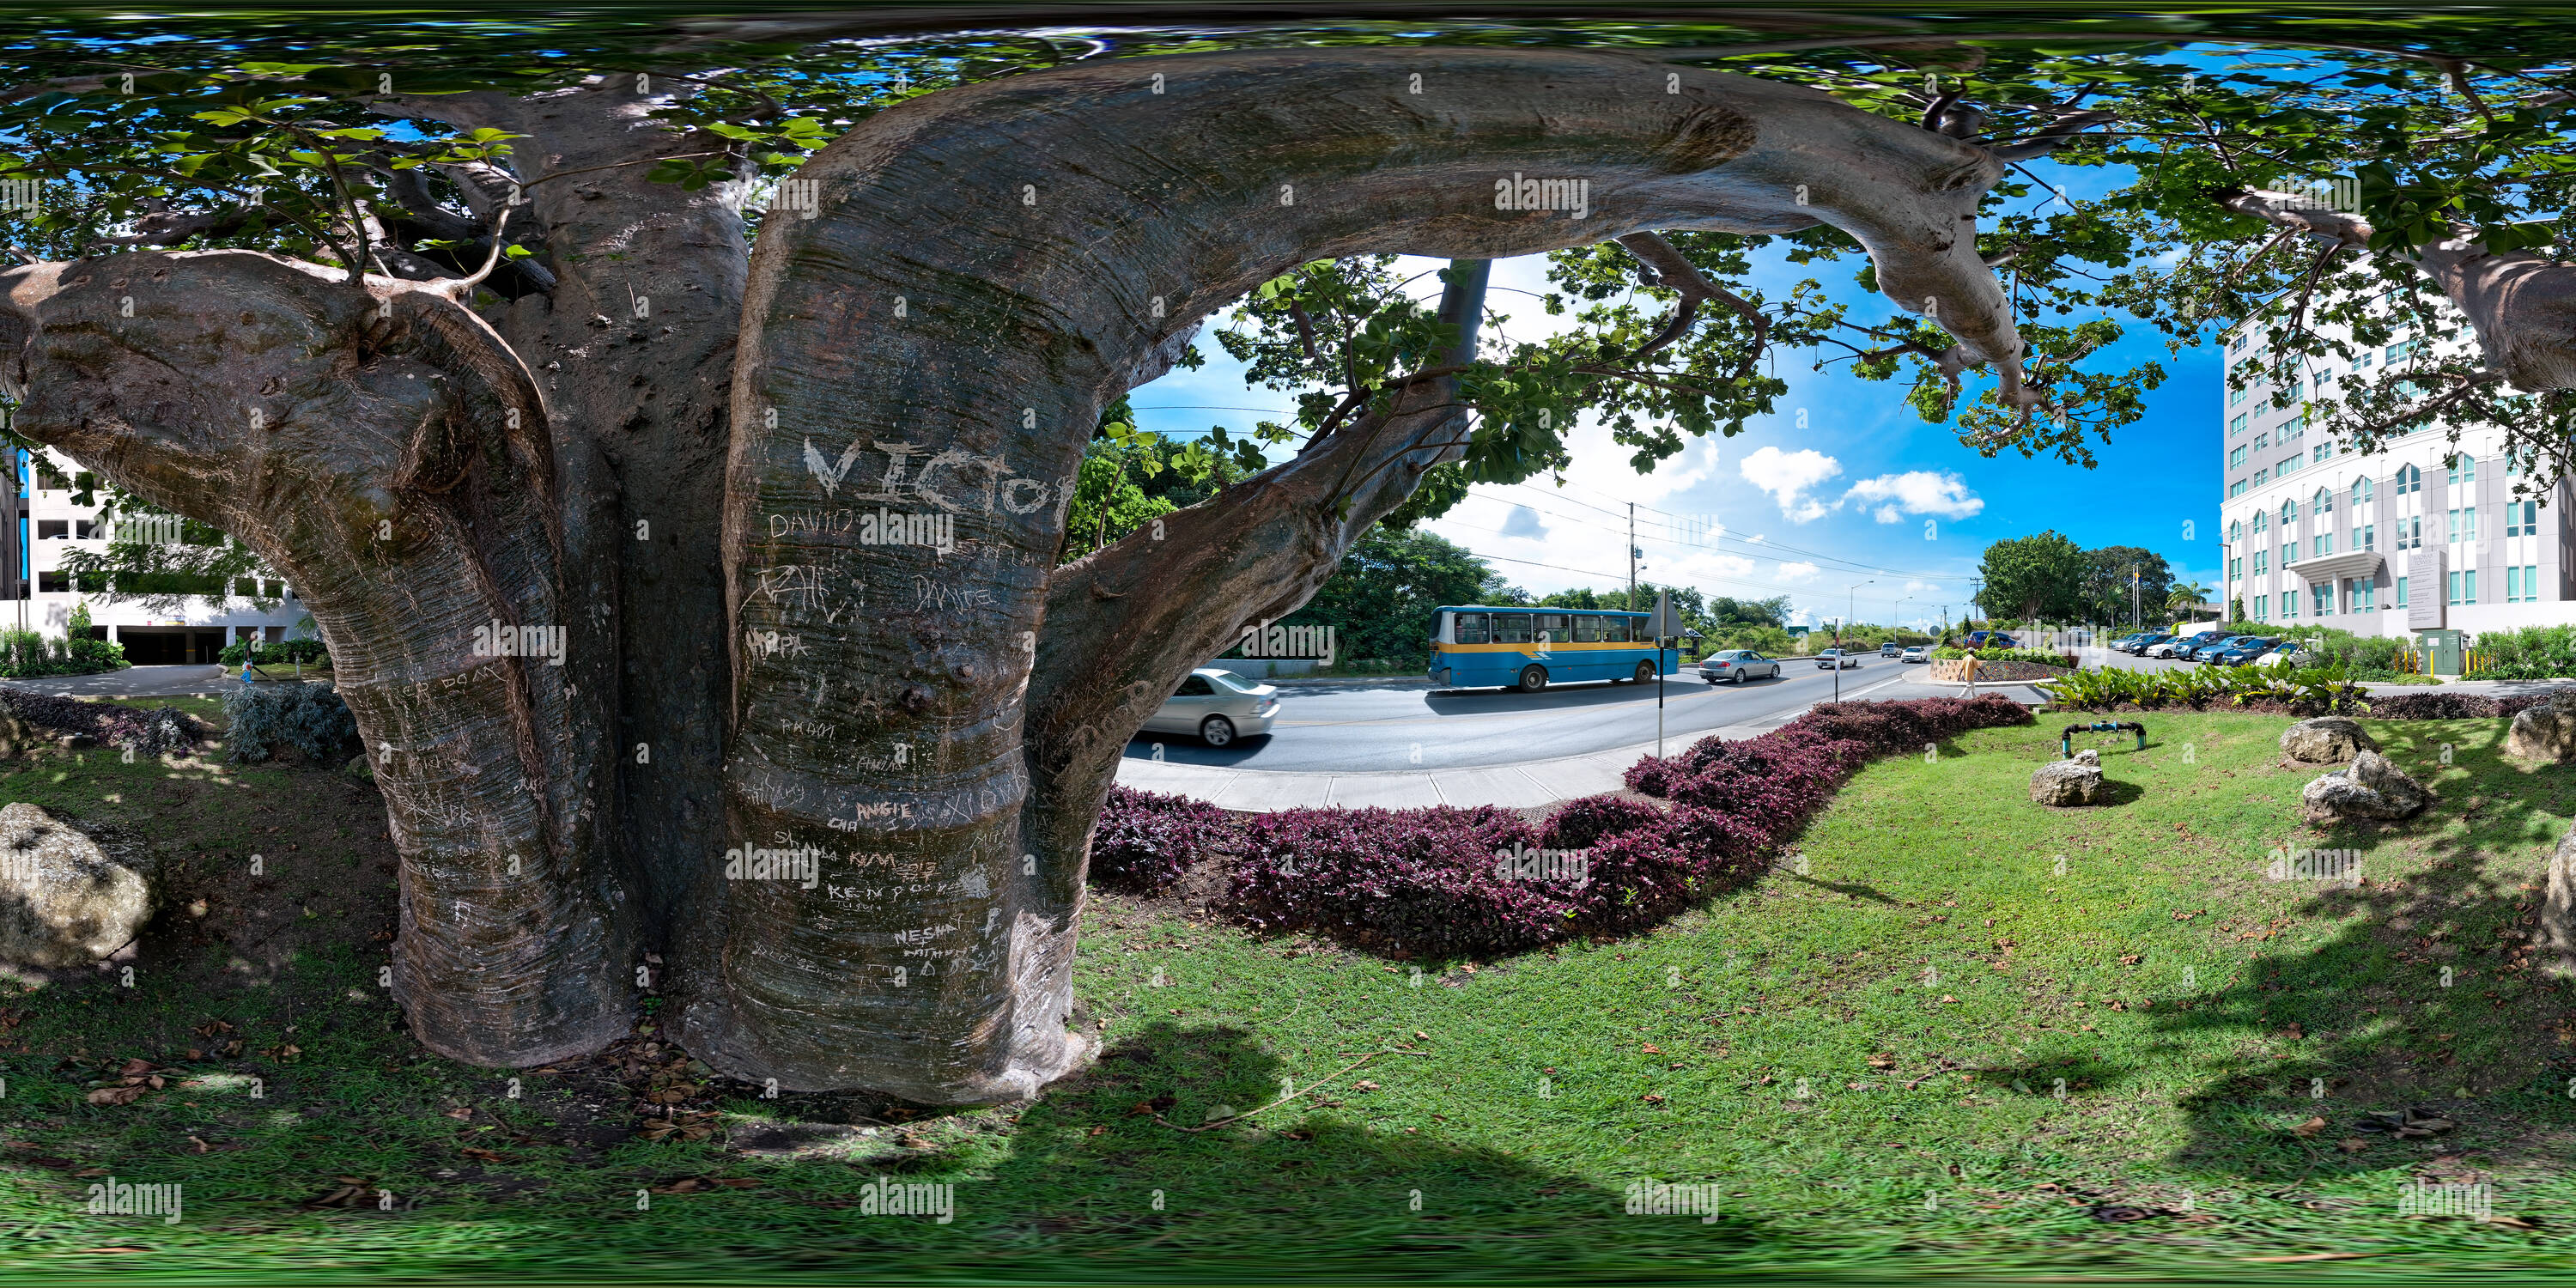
<point x="1426" y="881"/>
<point x="1955" y="671"/>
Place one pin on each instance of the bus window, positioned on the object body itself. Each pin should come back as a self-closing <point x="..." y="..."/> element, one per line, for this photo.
<point x="1587" y="629"/>
<point x="1471" y="628"/>
<point x="1552" y="625"/>
<point x="1511" y="628"/>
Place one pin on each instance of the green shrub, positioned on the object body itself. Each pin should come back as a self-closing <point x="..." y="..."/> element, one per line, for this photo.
<point x="309" y="652"/>
<point x="26" y="653"/>
<point x="308" y="717"/>
<point x="2530" y="653"/>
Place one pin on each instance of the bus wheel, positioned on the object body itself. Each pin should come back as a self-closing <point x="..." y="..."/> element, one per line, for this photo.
<point x="1533" y="678"/>
<point x="1645" y="673"/>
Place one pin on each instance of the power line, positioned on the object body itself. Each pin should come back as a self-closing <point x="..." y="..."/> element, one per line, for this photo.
<point x="1839" y="563"/>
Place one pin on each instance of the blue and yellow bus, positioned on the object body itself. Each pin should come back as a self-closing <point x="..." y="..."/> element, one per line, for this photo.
<point x="1475" y="645"/>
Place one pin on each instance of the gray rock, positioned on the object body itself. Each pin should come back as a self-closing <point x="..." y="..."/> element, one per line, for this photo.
<point x="2089" y="756"/>
<point x="65" y="900"/>
<point x="2370" y="787"/>
<point x="2326" y="740"/>
<point x="2544" y="733"/>
<point x="2066" y="782"/>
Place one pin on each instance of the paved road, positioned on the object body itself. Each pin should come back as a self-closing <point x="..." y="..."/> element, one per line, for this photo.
<point x="136" y="682"/>
<point x="1410" y="726"/>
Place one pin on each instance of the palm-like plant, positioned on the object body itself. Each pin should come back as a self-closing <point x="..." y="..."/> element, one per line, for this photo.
<point x="2184" y="596"/>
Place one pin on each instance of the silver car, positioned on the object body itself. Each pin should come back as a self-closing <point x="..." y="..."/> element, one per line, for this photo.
<point x="1736" y="665"/>
<point x="1219" y="706"/>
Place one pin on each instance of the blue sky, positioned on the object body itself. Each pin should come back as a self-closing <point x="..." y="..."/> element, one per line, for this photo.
<point x="1808" y="512"/>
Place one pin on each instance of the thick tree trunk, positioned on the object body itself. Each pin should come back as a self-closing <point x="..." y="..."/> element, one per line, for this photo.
<point x="382" y="448"/>
<point x="2522" y="305"/>
<point x="991" y="265"/>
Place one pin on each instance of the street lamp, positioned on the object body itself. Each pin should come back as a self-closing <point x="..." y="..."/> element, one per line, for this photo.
<point x="1851" y="594"/>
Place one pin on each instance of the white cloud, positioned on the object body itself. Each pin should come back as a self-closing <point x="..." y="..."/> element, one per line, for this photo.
<point x="1523" y="522"/>
<point x="1918" y="586"/>
<point x="1917" y="492"/>
<point x="1797" y="573"/>
<point x="1787" y="476"/>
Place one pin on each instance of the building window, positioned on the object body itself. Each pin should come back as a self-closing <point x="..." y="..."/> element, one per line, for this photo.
<point x="2236" y="530"/>
<point x="2289" y="603"/>
<point x="2289" y="513"/>
<point x="53" y="529"/>
<point x="2360" y="491"/>
<point x="2236" y="488"/>
<point x="2512" y="584"/>
<point x="2289" y="552"/>
<point x="2365" y="595"/>
<point x="2463" y="469"/>
<point x="2522" y="518"/>
<point x="2261" y="520"/>
<point x="2262" y="608"/>
<point x="2321" y="598"/>
<point x="2325" y="543"/>
<point x="2455" y="523"/>
<point x="2362" y="363"/>
<point x="2401" y="592"/>
<point x="2262" y="474"/>
<point x="2235" y="396"/>
<point x="2319" y="452"/>
<point x="2288" y="464"/>
<point x="2464" y="586"/>
<point x="2237" y="426"/>
<point x="53" y="583"/>
<point x="2398" y="352"/>
<point x="2238" y="346"/>
<point x="2409" y="479"/>
<point x="2259" y="567"/>
<point x="2531" y="583"/>
<point x="2322" y="503"/>
<point x="2262" y="440"/>
<point x="2290" y="429"/>
<point x="2369" y="537"/>
<point x="2236" y="569"/>
<point x="2236" y="458"/>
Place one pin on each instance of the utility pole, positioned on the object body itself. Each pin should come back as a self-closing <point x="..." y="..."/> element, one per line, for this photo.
<point x="2135" y="620"/>
<point x="1632" y="556"/>
<point x="1851" y="599"/>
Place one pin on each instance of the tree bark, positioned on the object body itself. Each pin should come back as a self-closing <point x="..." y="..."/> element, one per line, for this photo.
<point x="380" y="446"/>
<point x="991" y="265"/>
<point x="2522" y="305"/>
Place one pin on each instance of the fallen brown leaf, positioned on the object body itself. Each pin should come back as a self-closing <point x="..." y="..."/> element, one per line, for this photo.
<point x="2311" y="1127"/>
<point x="116" y="1095"/>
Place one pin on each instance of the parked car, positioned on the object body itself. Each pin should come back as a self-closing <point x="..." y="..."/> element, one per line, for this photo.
<point x="1736" y="665"/>
<point x="2139" y="644"/>
<point x="2209" y="652"/>
<point x="2180" y="646"/>
<point x="1836" y="659"/>
<point x="1219" y="706"/>
<point x="2286" y="653"/>
<point x="2243" y="649"/>
<point x="1888" y="649"/>
<point x="1991" y="639"/>
<point x="1917" y="653"/>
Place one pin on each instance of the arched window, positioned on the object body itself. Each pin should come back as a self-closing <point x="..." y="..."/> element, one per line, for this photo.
<point x="2322" y="504"/>
<point x="2261" y="521"/>
<point x="2360" y="491"/>
<point x="2236" y="531"/>
<point x="2289" y="513"/>
<point x="2409" y="479"/>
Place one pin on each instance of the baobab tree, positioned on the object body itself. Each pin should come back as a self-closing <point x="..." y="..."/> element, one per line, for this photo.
<point x="697" y="593"/>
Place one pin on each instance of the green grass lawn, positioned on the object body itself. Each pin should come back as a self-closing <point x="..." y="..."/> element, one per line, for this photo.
<point x="1923" y="1046"/>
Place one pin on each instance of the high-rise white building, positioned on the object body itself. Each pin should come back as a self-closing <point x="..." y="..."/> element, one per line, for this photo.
<point x="2418" y="535"/>
<point x="50" y="523"/>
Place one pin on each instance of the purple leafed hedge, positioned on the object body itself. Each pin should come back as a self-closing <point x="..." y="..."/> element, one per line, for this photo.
<point x="1425" y="882"/>
<point x="1145" y="841"/>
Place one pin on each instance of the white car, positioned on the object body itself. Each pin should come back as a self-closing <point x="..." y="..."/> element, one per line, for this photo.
<point x="1834" y="658"/>
<point x="1219" y="706"/>
<point x="1916" y="653"/>
<point x="2180" y="645"/>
